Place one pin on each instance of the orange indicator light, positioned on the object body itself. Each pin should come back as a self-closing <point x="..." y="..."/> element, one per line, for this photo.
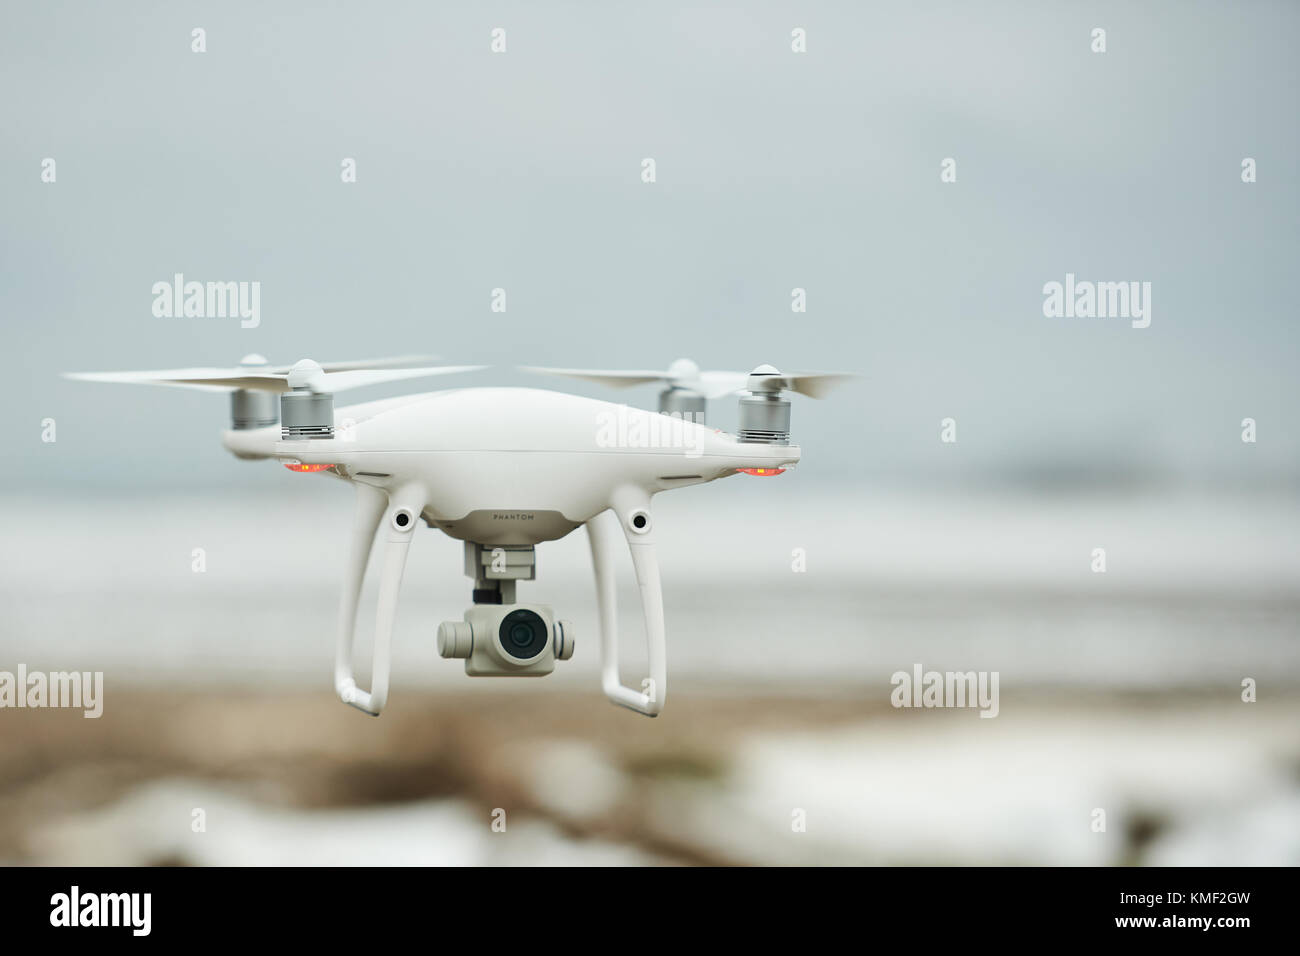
<point x="761" y="472"/>
<point x="299" y="466"/>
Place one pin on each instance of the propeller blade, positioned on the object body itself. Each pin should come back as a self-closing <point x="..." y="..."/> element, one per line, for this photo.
<point x="602" y="377"/>
<point x="396" y="361"/>
<point x="814" y="384"/>
<point x="217" y="379"/>
<point x="715" y="384"/>
<point x="356" y="378"/>
<point x="719" y="384"/>
<point x="204" y="379"/>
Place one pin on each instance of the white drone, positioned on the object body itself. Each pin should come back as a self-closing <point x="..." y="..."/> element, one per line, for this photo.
<point x="501" y="469"/>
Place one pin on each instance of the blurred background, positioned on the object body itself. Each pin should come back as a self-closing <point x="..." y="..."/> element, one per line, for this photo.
<point x="776" y="170"/>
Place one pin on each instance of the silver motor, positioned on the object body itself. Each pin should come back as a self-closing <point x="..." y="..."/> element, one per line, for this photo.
<point x="684" y="403"/>
<point x="764" y="414"/>
<point x="253" y="408"/>
<point x="306" y="414"/>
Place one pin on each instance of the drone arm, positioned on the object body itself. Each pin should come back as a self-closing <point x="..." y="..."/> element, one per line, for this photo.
<point x="370" y="512"/>
<point x="628" y="505"/>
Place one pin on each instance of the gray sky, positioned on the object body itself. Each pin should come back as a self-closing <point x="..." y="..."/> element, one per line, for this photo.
<point x="775" y="170"/>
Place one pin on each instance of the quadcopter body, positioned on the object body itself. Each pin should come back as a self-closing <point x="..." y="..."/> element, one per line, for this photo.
<point x="513" y="466"/>
<point x="502" y="470"/>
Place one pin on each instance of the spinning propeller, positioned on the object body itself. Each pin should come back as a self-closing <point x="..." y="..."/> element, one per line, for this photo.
<point x="689" y="389"/>
<point x="305" y="388"/>
<point x="682" y="373"/>
<point x="254" y="372"/>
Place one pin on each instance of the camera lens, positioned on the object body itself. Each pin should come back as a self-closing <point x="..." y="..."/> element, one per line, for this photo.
<point x="523" y="634"/>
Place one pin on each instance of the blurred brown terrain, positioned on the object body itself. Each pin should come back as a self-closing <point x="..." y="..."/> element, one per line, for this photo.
<point x="717" y="779"/>
<point x="305" y="751"/>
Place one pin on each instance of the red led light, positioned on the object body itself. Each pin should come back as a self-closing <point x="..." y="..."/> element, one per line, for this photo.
<point x="299" y="466"/>
<point x="761" y="472"/>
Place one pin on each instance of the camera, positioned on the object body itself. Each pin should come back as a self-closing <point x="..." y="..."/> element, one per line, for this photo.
<point x="507" y="640"/>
